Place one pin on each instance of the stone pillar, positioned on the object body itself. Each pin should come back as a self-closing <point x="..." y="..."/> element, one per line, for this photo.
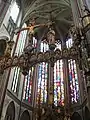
<point x="88" y="90"/>
<point x="88" y="3"/>
<point x="48" y="82"/>
<point x="34" y="88"/>
<point x="4" y="81"/>
<point x="4" y="5"/>
<point x="51" y="87"/>
<point x="3" y="86"/>
<point x="82" y="84"/>
<point x="66" y="82"/>
<point x="76" y="12"/>
<point x="34" y="92"/>
<point x="51" y="80"/>
<point x="66" y="86"/>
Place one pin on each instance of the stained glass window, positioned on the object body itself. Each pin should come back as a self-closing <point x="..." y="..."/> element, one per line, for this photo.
<point x="15" y="83"/>
<point x="14" y="12"/>
<point x="29" y="79"/>
<point x="73" y="79"/>
<point x="44" y="46"/>
<point x="27" y="94"/>
<point x="69" y="43"/>
<point x="58" y="45"/>
<point x="58" y="81"/>
<point x="19" y="50"/>
<point x="42" y="83"/>
<point x="42" y="77"/>
<point x="74" y="88"/>
<point x="34" y="42"/>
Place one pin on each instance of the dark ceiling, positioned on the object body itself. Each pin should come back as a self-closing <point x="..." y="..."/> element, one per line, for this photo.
<point x="58" y="11"/>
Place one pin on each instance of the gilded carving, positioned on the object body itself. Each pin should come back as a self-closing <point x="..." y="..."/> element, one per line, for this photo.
<point x="46" y="56"/>
<point x="26" y="61"/>
<point x="21" y="59"/>
<point x="9" y="48"/>
<point x="40" y="57"/>
<point x="65" y="53"/>
<point x="15" y="61"/>
<point x="33" y="58"/>
<point x="9" y="62"/>
<point x="57" y="54"/>
<point x="73" y="51"/>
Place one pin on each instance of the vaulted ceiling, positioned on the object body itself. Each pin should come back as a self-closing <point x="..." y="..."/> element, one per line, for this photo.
<point x="58" y="11"/>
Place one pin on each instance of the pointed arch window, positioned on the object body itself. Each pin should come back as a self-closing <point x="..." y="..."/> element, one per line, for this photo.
<point x="28" y="81"/>
<point x="16" y="70"/>
<point x="73" y="77"/>
<point x="58" y="80"/>
<point x="58" y="83"/>
<point x="42" y="76"/>
<point x="14" y="12"/>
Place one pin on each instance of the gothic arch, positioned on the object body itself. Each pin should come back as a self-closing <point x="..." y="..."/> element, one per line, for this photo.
<point x="25" y="115"/>
<point x="76" y="116"/>
<point x="87" y="113"/>
<point x="10" y="112"/>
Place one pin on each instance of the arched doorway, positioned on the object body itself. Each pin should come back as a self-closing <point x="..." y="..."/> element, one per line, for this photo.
<point x="87" y="113"/>
<point x="76" y="116"/>
<point x="25" y="115"/>
<point x="10" y="113"/>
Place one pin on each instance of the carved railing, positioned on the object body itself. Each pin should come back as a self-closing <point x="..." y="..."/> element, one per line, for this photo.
<point x="27" y="60"/>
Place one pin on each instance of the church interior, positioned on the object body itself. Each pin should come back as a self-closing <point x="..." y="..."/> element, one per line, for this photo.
<point x="44" y="59"/>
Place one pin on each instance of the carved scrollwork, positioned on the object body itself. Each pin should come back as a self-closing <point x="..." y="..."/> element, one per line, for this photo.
<point x="26" y="61"/>
<point x="9" y="48"/>
<point x="40" y="57"/>
<point x="15" y="61"/>
<point x="52" y="58"/>
<point x="21" y="60"/>
<point x="58" y="54"/>
<point x="46" y="56"/>
<point x="73" y="52"/>
<point x="65" y="53"/>
<point x="2" y="65"/>
<point x="9" y="62"/>
<point x="33" y="58"/>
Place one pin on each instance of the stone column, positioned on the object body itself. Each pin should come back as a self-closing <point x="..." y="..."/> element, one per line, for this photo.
<point x="66" y="82"/>
<point x="3" y="86"/>
<point x="48" y="83"/>
<point x="34" y="88"/>
<point x="51" y="80"/>
<point x="4" y="5"/>
<point x="82" y="84"/>
<point x="76" y="12"/>
<point x="51" y="87"/>
<point x="4" y="81"/>
<point x="34" y="92"/>
<point x="87" y="3"/>
<point x="88" y="90"/>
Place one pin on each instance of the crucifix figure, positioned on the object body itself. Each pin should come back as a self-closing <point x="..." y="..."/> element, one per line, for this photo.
<point x="32" y="28"/>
